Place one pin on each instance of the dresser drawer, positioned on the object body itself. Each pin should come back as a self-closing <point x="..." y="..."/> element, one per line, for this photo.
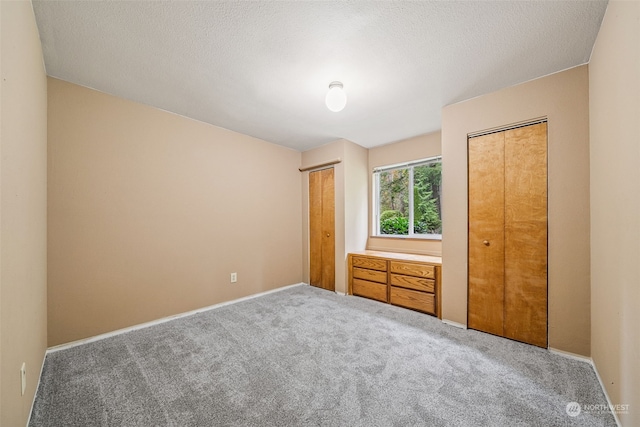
<point x="371" y="275"/>
<point x="411" y="282"/>
<point x="411" y="269"/>
<point x="371" y="290"/>
<point x="407" y="280"/>
<point x="421" y="301"/>
<point x="370" y="263"/>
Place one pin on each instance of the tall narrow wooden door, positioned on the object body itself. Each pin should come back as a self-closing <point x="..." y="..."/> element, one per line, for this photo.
<point x="322" y="229"/>
<point x="508" y="234"/>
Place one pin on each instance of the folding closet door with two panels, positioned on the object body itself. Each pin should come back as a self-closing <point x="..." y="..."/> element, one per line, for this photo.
<point x="507" y="289"/>
<point x="322" y="243"/>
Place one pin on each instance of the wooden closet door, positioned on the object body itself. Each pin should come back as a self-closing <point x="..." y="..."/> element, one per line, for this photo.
<point x="322" y="229"/>
<point x="486" y="233"/>
<point x="315" y="228"/>
<point x="508" y="234"/>
<point x="526" y="234"/>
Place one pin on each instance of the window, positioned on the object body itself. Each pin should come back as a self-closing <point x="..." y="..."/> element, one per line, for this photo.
<point x="407" y="199"/>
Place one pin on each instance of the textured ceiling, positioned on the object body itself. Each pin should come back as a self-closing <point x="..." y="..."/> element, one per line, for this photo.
<point x="263" y="68"/>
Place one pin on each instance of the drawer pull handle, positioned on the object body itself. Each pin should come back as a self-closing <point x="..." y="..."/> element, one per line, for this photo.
<point x="486" y="243"/>
<point x="328" y="235"/>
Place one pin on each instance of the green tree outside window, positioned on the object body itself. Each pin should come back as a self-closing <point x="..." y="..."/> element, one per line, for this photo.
<point x="400" y="214"/>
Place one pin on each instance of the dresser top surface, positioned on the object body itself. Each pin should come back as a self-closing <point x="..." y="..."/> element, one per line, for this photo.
<point x="401" y="256"/>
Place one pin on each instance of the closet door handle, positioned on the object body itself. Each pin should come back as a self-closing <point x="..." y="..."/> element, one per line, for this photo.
<point x="486" y="243"/>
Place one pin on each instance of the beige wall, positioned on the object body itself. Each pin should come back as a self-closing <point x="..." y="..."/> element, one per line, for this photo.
<point x="564" y="99"/>
<point x="350" y="203"/>
<point x="150" y="212"/>
<point x="356" y="202"/>
<point x="23" y="194"/>
<point x="614" y="86"/>
<point x="419" y="147"/>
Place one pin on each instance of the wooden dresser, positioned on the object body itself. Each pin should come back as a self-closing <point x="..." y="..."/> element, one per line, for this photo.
<point x="406" y="280"/>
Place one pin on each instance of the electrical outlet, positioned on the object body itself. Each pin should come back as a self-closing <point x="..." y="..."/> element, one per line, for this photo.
<point x="234" y="277"/>
<point x="23" y="377"/>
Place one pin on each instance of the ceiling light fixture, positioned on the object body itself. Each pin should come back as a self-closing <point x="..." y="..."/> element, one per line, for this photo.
<point x="336" y="98"/>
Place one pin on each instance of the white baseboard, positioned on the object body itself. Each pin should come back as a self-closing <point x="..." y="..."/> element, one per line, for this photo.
<point x="606" y="395"/>
<point x="162" y="320"/>
<point x="344" y="294"/>
<point x="455" y="324"/>
<point x="589" y="360"/>
<point x="570" y="355"/>
<point x="35" y="393"/>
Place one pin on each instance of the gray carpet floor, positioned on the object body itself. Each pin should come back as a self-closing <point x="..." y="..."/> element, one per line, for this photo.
<point x="308" y="357"/>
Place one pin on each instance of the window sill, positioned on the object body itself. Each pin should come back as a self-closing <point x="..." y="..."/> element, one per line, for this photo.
<point x="431" y="237"/>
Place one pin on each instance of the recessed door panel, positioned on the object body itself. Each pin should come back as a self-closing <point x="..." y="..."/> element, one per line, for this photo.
<point x="328" y="230"/>
<point x="486" y="233"/>
<point x="315" y="228"/>
<point x="526" y="234"/>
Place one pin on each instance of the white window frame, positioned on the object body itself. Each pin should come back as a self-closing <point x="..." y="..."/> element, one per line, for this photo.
<point x="376" y="197"/>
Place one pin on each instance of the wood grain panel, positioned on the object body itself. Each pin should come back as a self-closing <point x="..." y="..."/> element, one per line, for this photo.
<point x="410" y="282"/>
<point x="350" y="274"/>
<point x="526" y="234"/>
<point x="411" y="269"/>
<point x="486" y="233"/>
<point x="315" y="228"/>
<point x="435" y="260"/>
<point x="371" y="290"/>
<point x="370" y="263"/>
<point x="412" y="299"/>
<point x="328" y="231"/>
<point x="321" y="229"/>
<point x="371" y="275"/>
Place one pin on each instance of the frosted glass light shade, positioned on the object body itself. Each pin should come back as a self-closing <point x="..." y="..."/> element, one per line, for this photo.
<point x="336" y="98"/>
